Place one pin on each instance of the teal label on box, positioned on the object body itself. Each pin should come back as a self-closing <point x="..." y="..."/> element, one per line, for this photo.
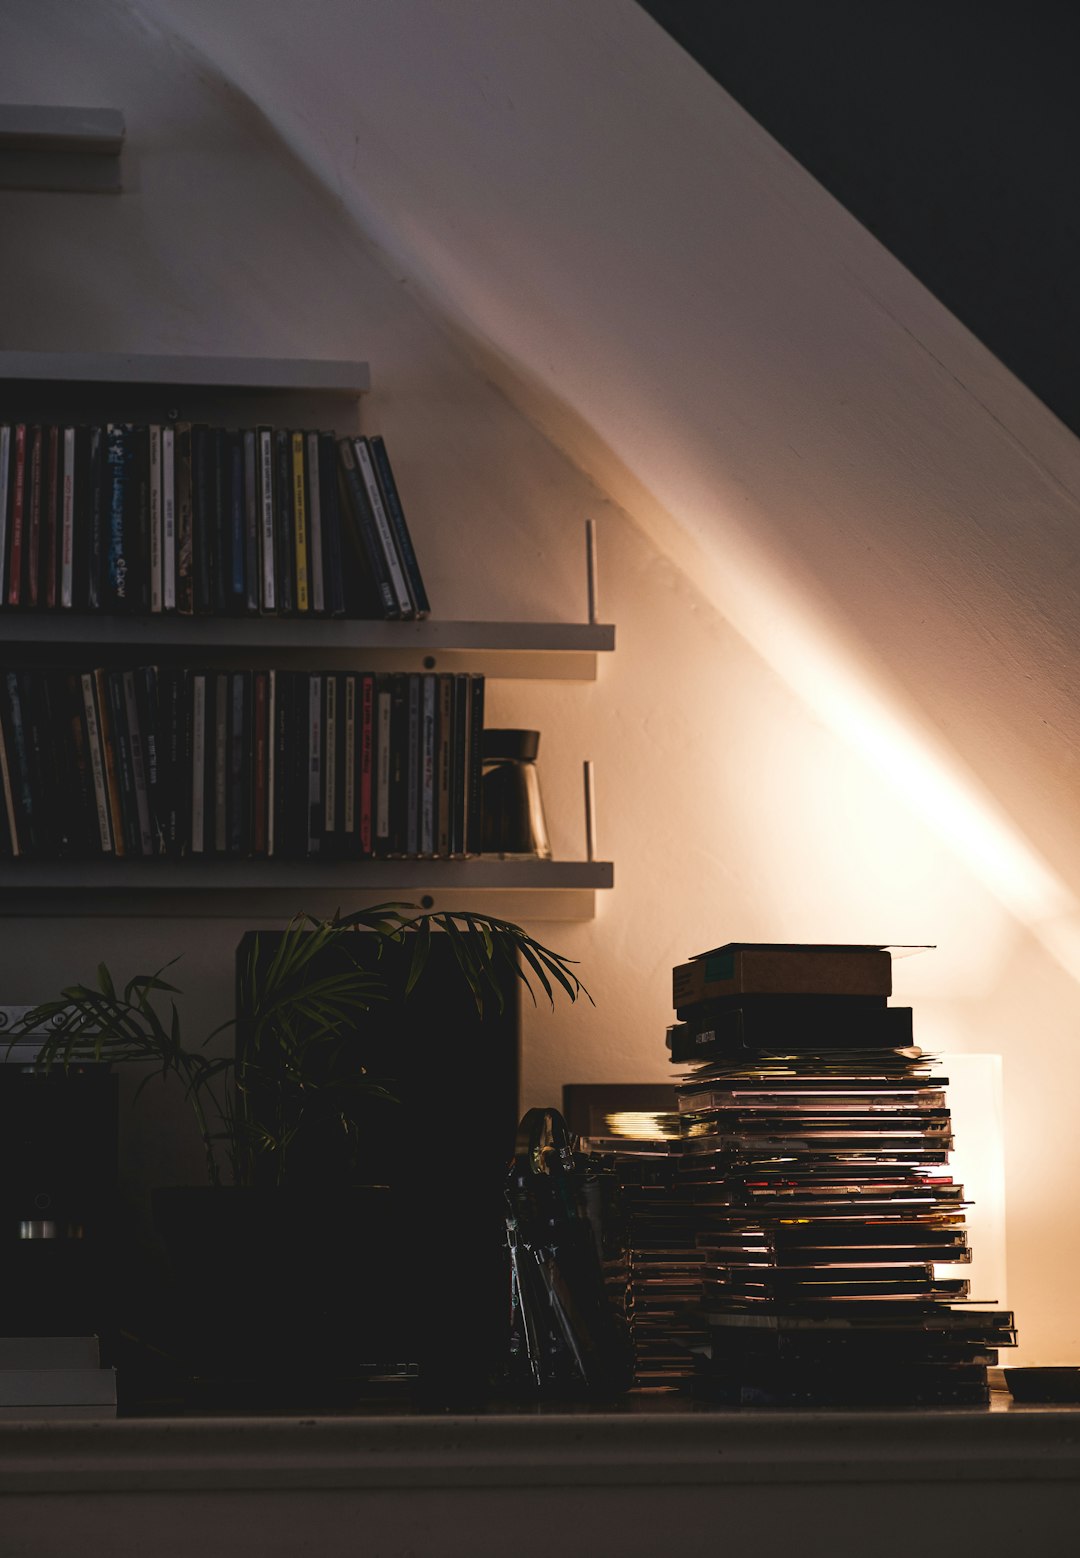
<point x="719" y="965"/>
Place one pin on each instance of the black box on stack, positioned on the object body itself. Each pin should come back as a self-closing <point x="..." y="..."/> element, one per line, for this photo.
<point x="814" y="1140"/>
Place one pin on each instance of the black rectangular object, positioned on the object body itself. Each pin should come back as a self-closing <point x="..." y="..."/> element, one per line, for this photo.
<point x="782" y="1023"/>
<point x="58" y="1153"/>
<point x="443" y="1147"/>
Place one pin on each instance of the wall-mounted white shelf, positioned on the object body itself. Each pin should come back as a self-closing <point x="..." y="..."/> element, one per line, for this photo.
<point x="275" y="375"/>
<point x="265" y="889"/>
<point x="237" y="391"/>
<point x="131" y="387"/>
<point x="547" y="651"/>
<point x="69" y="150"/>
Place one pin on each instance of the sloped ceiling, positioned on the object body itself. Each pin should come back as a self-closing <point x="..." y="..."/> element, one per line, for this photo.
<point x="947" y="130"/>
<point x="868" y="496"/>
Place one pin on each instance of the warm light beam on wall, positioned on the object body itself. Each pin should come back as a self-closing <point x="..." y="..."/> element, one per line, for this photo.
<point x="810" y="656"/>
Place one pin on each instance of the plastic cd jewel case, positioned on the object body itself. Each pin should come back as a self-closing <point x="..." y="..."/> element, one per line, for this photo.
<point x="785" y="1222"/>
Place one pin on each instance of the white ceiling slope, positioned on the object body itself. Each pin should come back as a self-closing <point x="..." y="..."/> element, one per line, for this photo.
<point x="862" y="489"/>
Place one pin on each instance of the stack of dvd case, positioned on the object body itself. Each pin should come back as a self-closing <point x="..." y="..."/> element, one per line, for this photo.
<point x="815" y="1140"/>
<point x="662" y="1283"/>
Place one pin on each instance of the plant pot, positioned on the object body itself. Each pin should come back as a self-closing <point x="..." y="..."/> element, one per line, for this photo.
<point x="279" y="1294"/>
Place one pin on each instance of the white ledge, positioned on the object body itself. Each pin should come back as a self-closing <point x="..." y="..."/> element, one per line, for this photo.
<point x="677" y="1449"/>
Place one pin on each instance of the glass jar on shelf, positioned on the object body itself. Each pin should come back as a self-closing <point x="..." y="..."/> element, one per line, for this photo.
<point x="514" y="824"/>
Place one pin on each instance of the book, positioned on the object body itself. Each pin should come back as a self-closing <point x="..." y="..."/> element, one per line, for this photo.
<point x="203" y="517"/>
<point x="120" y="742"/>
<point x="444" y="779"/>
<point x="97" y="519"/>
<point x="7" y="798"/>
<point x="18" y="754"/>
<point x="316" y="541"/>
<point x="68" y="483"/>
<point x="366" y="780"/>
<point x="5" y="503"/>
<point x="57" y="781"/>
<point x="168" y="519"/>
<point x="373" y="593"/>
<point x="315" y="765"/>
<point x="148" y="712"/>
<point x="285" y="540"/>
<point x="330" y="509"/>
<point x="383" y="701"/>
<point x="789" y="1023"/>
<point x="428" y="764"/>
<point x="32" y="561"/>
<point x="285" y="802"/>
<point x="52" y="521"/>
<point x="396" y="514"/>
<point x="350" y="810"/>
<point x="218" y="731"/>
<point x="271" y="760"/>
<point x="299" y="518"/>
<point x="261" y="787"/>
<point x="140" y="783"/>
<point x="331" y="792"/>
<point x="184" y="477"/>
<point x="73" y="760"/>
<point x="399" y="762"/>
<point x="252" y="579"/>
<point x="157" y="575"/>
<point x="18" y="515"/>
<point x="403" y="605"/>
<point x="237" y="523"/>
<point x="240" y="751"/>
<point x="741" y="968"/>
<point x="45" y="781"/>
<point x="219" y="521"/>
<point x="474" y="832"/>
<point x="119" y="458"/>
<point x="173" y="688"/>
<point x="267" y="552"/>
<point x="459" y="747"/>
<point x="411" y="843"/>
<point x="7" y="851"/>
<point x="138" y="520"/>
<point x="96" y="756"/>
<point x="199" y="808"/>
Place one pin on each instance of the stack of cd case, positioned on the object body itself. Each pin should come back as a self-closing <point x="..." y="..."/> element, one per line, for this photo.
<point x="814" y="1141"/>
<point x="664" y="1272"/>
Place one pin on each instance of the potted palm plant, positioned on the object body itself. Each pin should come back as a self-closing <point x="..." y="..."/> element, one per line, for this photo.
<point x="350" y="1213"/>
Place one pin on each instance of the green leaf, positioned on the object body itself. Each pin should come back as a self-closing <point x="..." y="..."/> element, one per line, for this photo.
<point x="421" y="948"/>
<point x="537" y="967"/>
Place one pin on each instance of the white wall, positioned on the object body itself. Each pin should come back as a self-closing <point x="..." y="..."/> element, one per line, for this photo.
<point x="835" y="535"/>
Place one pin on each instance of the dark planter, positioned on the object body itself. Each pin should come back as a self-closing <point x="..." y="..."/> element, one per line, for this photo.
<point x="285" y="1295"/>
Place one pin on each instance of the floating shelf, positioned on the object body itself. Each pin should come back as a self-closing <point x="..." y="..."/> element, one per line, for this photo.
<point x="275" y="375"/>
<point x="254" y="889"/>
<point x="546" y="651"/>
<point x="125" y="387"/>
<point x="119" y="386"/>
<point x="73" y="150"/>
